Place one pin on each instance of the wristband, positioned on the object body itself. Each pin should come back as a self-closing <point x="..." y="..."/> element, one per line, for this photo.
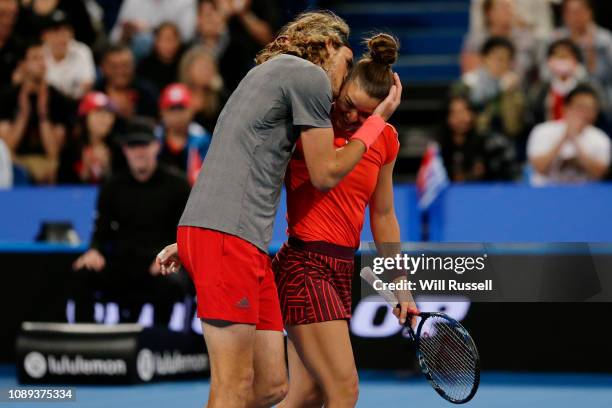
<point x="369" y="131"/>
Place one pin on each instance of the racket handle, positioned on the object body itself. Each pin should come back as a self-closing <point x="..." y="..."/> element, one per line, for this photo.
<point x="368" y="275"/>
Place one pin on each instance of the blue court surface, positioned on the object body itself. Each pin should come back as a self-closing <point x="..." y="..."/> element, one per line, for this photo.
<point x="377" y="389"/>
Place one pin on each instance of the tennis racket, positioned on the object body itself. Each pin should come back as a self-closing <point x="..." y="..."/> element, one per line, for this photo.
<point x="446" y="353"/>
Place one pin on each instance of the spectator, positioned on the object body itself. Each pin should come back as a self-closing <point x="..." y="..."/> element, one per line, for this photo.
<point x="461" y="146"/>
<point x="160" y="67"/>
<point x="6" y="167"/>
<point x="213" y="36"/>
<point x="594" y="41"/>
<point x="494" y="90"/>
<point x="70" y="64"/>
<point x="130" y="95"/>
<point x="184" y="142"/>
<point x="137" y="214"/>
<point x="138" y="18"/>
<point x="34" y="118"/>
<point x="211" y="29"/>
<point x="535" y="16"/>
<point x="570" y="150"/>
<point x="199" y="72"/>
<point x="499" y="21"/>
<point x="11" y="46"/>
<point x="91" y="157"/>
<point x="251" y="25"/>
<point x="565" y="69"/>
<point x="35" y="12"/>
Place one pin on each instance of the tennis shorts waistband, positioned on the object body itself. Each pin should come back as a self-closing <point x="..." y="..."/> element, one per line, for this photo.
<point x="323" y="248"/>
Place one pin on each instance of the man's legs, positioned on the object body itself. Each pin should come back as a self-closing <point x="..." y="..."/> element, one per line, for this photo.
<point x="231" y="351"/>
<point x="247" y="358"/>
<point x="270" y="383"/>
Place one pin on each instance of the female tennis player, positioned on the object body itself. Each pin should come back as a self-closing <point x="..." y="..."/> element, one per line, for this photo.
<point x="314" y="268"/>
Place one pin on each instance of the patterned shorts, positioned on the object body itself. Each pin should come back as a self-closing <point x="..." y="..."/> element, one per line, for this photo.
<point x="314" y="281"/>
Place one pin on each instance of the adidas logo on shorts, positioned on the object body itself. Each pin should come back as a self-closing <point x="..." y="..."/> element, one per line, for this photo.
<point x="243" y="303"/>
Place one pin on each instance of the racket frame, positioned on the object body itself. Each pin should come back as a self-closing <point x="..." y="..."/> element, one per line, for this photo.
<point x="416" y="338"/>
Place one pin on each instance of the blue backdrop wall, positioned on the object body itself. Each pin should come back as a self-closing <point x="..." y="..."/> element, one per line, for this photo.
<point x="464" y="213"/>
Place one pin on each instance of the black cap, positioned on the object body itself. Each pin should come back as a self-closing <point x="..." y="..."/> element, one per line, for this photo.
<point x="55" y="20"/>
<point x="138" y="132"/>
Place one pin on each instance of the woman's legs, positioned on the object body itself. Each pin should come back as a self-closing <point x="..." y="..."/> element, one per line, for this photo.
<point x="326" y="353"/>
<point x="304" y="392"/>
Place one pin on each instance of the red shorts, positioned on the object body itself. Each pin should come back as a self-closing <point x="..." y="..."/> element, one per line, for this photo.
<point x="314" y="281"/>
<point x="233" y="278"/>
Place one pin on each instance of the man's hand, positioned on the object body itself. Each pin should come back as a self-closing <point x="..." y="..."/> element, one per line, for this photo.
<point x="392" y="101"/>
<point x="168" y="260"/>
<point x="91" y="259"/>
<point x="576" y="124"/>
<point x="155" y="268"/>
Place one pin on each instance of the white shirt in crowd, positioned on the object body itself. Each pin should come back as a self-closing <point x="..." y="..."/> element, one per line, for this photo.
<point x="536" y="16"/>
<point x="6" y="167"/>
<point x="565" y="168"/>
<point x="71" y="73"/>
<point x="154" y="12"/>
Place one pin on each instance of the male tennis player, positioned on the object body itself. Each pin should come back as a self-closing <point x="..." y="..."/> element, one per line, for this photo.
<point x="226" y="227"/>
<point x="314" y="269"/>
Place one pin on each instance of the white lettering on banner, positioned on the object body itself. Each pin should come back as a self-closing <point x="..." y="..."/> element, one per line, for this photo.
<point x="78" y="365"/>
<point x="176" y="363"/>
<point x="363" y="321"/>
<point x="169" y="363"/>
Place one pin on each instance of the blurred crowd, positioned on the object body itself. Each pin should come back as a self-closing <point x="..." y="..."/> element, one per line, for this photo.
<point x="534" y="100"/>
<point x="74" y="74"/>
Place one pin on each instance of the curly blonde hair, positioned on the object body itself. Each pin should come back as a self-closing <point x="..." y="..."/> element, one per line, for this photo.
<point x="305" y="37"/>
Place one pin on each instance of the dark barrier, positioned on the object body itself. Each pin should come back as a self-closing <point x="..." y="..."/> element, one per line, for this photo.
<point x="119" y="354"/>
<point x="517" y="336"/>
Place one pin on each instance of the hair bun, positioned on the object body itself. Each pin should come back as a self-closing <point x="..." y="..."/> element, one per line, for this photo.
<point x="383" y="49"/>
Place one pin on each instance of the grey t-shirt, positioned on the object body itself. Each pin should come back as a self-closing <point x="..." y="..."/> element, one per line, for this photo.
<point x="239" y="186"/>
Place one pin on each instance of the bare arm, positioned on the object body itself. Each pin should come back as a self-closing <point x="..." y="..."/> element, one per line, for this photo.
<point x="12" y="133"/>
<point x="386" y="232"/>
<point x="543" y="162"/>
<point x="383" y="220"/>
<point x="52" y="137"/>
<point x="256" y="27"/>
<point x="594" y="167"/>
<point x="326" y="165"/>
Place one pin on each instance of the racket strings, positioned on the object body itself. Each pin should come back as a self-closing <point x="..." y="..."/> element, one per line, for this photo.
<point x="447" y="368"/>
<point x="449" y="359"/>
